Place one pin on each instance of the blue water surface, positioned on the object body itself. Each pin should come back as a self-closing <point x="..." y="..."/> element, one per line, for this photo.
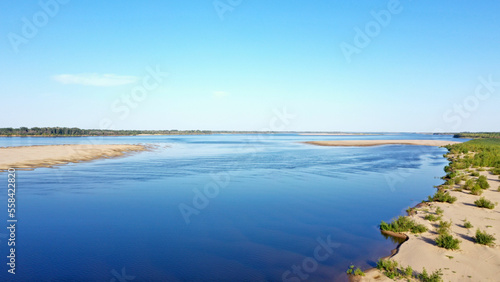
<point x="214" y="208"/>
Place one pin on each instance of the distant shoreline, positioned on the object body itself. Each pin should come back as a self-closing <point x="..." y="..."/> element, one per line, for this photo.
<point x="30" y="157"/>
<point x="336" y="134"/>
<point x="364" y="143"/>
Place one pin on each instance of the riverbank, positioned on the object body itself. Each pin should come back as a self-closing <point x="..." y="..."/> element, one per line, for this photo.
<point x="471" y="261"/>
<point x="29" y="157"/>
<point x="361" y="143"/>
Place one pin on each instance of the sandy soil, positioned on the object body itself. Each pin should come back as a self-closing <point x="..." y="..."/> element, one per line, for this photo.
<point x="473" y="262"/>
<point x="46" y="156"/>
<point x="381" y="142"/>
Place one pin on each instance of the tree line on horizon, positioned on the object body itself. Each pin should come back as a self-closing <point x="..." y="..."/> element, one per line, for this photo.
<point x="477" y="135"/>
<point x="74" y="131"/>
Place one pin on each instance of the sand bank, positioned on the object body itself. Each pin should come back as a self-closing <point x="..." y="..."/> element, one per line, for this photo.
<point x="472" y="262"/>
<point x="46" y="156"/>
<point x="381" y="142"/>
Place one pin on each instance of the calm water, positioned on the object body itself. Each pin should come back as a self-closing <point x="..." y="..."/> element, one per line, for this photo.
<point x="254" y="208"/>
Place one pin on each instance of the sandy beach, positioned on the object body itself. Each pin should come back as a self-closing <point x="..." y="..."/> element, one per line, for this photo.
<point x="47" y="156"/>
<point x="472" y="262"/>
<point x="362" y="143"/>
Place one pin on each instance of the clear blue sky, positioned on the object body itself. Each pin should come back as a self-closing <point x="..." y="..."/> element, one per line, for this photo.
<point x="233" y="70"/>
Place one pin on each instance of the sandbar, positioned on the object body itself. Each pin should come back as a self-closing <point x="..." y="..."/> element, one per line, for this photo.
<point x="27" y="157"/>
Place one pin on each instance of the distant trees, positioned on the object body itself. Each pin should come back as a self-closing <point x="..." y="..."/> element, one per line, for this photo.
<point x="477" y="135"/>
<point x="74" y="131"/>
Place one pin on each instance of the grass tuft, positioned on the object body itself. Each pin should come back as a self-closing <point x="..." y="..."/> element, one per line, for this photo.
<point x="484" y="238"/>
<point x="403" y="224"/>
<point x="448" y="242"/>
<point x="434" y="277"/>
<point x="484" y="203"/>
<point x="355" y="271"/>
<point x="443" y="197"/>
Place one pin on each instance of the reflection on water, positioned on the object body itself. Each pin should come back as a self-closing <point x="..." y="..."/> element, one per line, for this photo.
<point x="395" y="239"/>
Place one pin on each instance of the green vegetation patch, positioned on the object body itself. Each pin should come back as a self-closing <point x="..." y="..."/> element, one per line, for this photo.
<point x="448" y="242"/>
<point x="484" y="238"/>
<point x="355" y="271"/>
<point x="443" y="197"/>
<point x="403" y="224"/>
<point x="484" y="203"/>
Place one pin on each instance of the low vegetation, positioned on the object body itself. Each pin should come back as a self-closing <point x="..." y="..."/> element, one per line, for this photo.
<point x="439" y="211"/>
<point x="444" y="227"/>
<point x="389" y="268"/>
<point x="476" y="190"/>
<point x="484" y="203"/>
<point x="482" y="181"/>
<point x="443" y="197"/>
<point x="487" y="154"/>
<point x="469" y="184"/>
<point x="355" y="271"/>
<point x="431" y="217"/>
<point x="393" y="270"/>
<point x="484" y="238"/>
<point x="403" y="224"/>
<point x="448" y="242"/>
<point x="477" y="135"/>
<point x="467" y="224"/>
<point x="433" y="277"/>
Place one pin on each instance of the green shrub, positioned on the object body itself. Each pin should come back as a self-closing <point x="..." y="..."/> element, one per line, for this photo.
<point x="458" y="179"/>
<point x="448" y="242"/>
<point x="403" y="224"/>
<point x="482" y="181"/>
<point x="450" y="182"/>
<point x="475" y="173"/>
<point x="484" y="203"/>
<point x="434" y="277"/>
<point x="388" y="267"/>
<point x="484" y="238"/>
<point x="442" y="196"/>
<point x="419" y="228"/>
<point x="439" y="210"/>
<point x="467" y="224"/>
<point x="431" y="217"/>
<point x="444" y="227"/>
<point x="410" y="211"/>
<point x="495" y="171"/>
<point x="476" y="190"/>
<point x="355" y="272"/>
<point x="408" y="271"/>
<point x="469" y="184"/>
